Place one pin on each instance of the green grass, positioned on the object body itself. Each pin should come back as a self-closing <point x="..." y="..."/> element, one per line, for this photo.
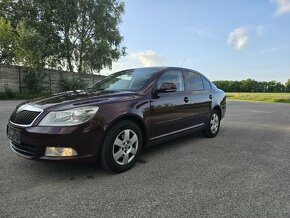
<point x="18" y="96"/>
<point x="254" y="96"/>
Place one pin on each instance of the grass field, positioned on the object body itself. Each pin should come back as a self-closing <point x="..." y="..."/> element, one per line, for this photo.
<point x="269" y="97"/>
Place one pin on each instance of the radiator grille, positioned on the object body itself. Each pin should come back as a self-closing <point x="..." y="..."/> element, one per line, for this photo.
<point x="25" y="117"/>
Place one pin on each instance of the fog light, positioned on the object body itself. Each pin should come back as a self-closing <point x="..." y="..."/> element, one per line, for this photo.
<point x="60" y="152"/>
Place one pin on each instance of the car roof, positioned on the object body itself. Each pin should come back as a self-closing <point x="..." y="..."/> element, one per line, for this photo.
<point x="160" y="68"/>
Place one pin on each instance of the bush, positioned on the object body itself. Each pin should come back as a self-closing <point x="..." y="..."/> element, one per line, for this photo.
<point x="34" y="82"/>
<point x="77" y="82"/>
<point x="8" y="92"/>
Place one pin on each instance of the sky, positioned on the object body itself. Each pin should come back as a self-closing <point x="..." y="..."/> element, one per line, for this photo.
<point x="223" y="39"/>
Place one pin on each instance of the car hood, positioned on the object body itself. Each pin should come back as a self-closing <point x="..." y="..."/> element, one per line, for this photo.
<point x="78" y="98"/>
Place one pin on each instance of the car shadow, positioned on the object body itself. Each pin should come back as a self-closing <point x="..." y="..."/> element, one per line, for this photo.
<point x="68" y="170"/>
<point x="172" y="144"/>
<point x="79" y="170"/>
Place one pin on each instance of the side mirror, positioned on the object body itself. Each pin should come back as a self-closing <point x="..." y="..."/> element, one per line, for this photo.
<point x="167" y="87"/>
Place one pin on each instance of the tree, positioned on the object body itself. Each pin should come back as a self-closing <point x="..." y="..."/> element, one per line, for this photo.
<point x="79" y="35"/>
<point x="91" y="37"/>
<point x="31" y="48"/>
<point x="287" y="86"/>
<point x="7" y="42"/>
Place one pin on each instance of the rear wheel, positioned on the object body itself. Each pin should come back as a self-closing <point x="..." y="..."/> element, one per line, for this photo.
<point x="121" y="147"/>
<point x="213" y="125"/>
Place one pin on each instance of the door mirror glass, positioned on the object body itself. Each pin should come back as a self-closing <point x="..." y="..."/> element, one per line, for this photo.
<point x="167" y="87"/>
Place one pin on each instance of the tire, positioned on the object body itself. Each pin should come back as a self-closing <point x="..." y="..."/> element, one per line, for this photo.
<point x="213" y="125"/>
<point x="122" y="147"/>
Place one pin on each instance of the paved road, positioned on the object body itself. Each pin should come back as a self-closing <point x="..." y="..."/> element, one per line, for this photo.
<point x="244" y="172"/>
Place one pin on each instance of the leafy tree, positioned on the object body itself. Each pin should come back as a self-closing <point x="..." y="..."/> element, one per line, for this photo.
<point x="80" y="35"/>
<point x="287" y="86"/>
<point x="7" y="41"/>
<point x="31" y="47"/>
<point x="91" y="37"/>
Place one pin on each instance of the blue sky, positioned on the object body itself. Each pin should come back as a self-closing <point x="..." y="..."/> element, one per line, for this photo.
<point x="224" y="39"/>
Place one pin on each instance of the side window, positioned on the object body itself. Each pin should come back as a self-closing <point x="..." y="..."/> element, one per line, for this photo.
<point x="174" y="76"/>
<point x="206" y="84"/>
<point x="194" y="81"/>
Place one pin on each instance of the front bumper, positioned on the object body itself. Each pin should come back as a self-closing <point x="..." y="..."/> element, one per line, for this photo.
<point x="85" y="139"/>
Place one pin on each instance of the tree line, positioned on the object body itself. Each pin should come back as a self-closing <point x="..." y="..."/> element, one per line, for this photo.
<point x="250" y="85"/>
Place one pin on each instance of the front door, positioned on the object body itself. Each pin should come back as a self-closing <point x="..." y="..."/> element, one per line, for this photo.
<point x="170" y="112"/>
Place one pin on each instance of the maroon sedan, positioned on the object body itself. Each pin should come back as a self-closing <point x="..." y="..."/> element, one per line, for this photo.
<point x="113" y="121"/>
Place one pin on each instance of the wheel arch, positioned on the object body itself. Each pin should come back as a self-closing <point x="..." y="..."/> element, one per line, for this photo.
<point x="135" y="119"/>
<point x="218" y="108"/>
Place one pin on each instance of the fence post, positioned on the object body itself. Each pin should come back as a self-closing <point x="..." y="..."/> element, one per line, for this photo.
<point x="50" y="91"/>
<point x="19" y="79"/>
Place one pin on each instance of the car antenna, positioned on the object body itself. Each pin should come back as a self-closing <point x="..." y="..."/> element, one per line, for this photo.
<point x="183" y="62"/>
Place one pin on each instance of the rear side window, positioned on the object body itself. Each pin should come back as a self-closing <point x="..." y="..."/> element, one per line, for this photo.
<point x="194" y="81"/>
<point x="206" y="84"/>
<point x="173" y="76"/>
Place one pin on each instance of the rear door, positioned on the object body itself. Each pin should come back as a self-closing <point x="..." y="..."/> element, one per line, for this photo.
<point x="200" y="97"/>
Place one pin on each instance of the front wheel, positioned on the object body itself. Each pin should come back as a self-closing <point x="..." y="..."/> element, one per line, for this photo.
<point x="121" y="147"/>
<point x="213" y="125"/>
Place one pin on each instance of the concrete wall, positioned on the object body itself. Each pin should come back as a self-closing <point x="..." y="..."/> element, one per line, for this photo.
<point x="12" y="77"/>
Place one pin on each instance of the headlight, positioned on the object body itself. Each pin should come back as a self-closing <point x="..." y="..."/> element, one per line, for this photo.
<point x="69" y="117"/>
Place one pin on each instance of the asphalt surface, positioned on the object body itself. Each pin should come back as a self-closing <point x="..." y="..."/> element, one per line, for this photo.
<point x="243" y="172"/>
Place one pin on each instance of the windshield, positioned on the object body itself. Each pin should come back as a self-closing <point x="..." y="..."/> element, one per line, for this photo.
<point x="129" y="80"/>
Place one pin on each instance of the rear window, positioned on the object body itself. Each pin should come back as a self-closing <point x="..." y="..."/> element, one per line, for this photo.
<point x="194" y="81"/>
<point x="206" y="84"/>
<point x="174" y="76"/>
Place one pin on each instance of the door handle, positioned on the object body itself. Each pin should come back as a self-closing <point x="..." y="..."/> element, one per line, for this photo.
<point x="186" y="99"/>
<point x="210" y="96"/>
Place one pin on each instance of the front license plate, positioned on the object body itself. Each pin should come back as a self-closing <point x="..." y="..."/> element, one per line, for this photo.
<point x="14" y="134"/>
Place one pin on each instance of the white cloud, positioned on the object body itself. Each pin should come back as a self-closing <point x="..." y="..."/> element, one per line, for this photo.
<point x="147" y="58"/>
<point x="283" y="6"/>
<point x="122" y="64"/>
<point x="238" y="37"/>
<point x="134" y="60"/>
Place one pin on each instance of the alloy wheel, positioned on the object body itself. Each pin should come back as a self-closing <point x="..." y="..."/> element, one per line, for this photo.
<point x="214" y="123"/>
<point x="125" y="147"/>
